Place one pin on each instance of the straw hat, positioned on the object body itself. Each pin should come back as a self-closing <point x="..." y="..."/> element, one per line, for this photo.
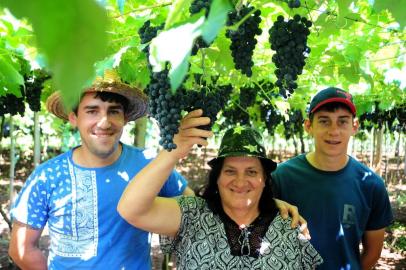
<point x="137" y="106"/>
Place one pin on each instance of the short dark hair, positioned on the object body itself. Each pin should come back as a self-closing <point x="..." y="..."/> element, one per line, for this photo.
<point x="108" y="97"/>
<point x="211" y="193"/>
<point x="330" y="107"/>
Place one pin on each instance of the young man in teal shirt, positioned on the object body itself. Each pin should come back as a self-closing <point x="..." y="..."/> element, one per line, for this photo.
<point x="344" y="202"/>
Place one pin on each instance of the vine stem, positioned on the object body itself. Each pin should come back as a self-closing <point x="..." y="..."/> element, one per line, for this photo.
<point x="332" y="13"/>
<point x="235" y="26"/>
<point x="144" y="8"/>
<point x="203" y="65"/>
<point x="263" y="92"/>
<point x="239" y="106"/>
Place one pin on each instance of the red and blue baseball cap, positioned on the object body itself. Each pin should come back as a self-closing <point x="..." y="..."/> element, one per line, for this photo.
<point x="330" y="95"/>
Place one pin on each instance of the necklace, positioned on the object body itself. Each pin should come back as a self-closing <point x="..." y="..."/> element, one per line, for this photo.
<point x="244" y="240"/>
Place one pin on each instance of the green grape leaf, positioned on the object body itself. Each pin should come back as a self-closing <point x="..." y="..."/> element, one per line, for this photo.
<point x="9" y="76"/>
<point x="368" y="78"/>
<point x="120" y="5"/>
<point x="351" y="72"/>
<point x="328" y="24"/>
<point x="72" y="36"/>
<point x="216" y="19"/>
<point x="174" y="46"/>
<point x="101" y="66"/>
<point x="396" y="7"/>
<point x="178" y="8"/>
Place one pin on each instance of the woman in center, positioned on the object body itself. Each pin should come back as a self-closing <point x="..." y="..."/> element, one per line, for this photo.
<point x="235" y="224"/>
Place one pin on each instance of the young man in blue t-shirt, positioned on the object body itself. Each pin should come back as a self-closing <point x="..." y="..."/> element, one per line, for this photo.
<point x="344" y="202"/>
<point x="76" y="193"/>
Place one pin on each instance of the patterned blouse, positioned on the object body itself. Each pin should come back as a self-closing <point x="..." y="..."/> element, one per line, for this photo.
<point x="202" y="243"/>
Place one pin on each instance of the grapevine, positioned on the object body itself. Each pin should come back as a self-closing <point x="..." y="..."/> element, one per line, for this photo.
<point x="147" y="32"/>
<point x="166" y="107"/>
<point x="33" y="89"/>
<point x="195" y="7"/>
<point x="12" y="104"/>
<point x="210" y="101"/>
<point x="294" y="125"/>
<point x="271" y="117"/>
<point x="289" y="40"/>
<point x="293" y="3"/>
<point x="393" y="120"/>
<point x="243" y="39"/>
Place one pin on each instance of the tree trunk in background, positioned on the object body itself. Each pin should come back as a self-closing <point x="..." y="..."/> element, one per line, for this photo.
<point x="397" y="153"/>
<point x="387" y="157"/>
<point x="404" y="165"/>
<point x="37" y="141"/>
<point x="302" y="141"/>
<point x="1" y="129"/>
<point x="372" y="148"/>
<point x="140" y="132"/>
<point x="12" y="161"/>
<point x="295" y="144"/>
<point x="272" y="151"/>
<point x="361" y="145"/>
<point x="377" y="158"/>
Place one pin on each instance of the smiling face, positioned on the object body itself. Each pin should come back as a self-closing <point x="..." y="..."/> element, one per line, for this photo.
<point x="100" y="125"/>
<point x="331" y="131"/>
<point x="241" y="183"/>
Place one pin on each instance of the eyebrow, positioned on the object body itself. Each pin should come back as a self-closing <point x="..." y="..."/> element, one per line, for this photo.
<point x="325" y="116"/>
<point x="235" y="167"/>
<point x="112" y="107"/>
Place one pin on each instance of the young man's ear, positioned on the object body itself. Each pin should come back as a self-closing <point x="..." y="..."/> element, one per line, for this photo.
<point x="308" y="126"/>
<point x="72" y="119"/>
<point x="355" y="125"/>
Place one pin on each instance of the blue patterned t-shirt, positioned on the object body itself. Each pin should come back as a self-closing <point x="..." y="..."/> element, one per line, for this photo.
<point x="79" y="205"/>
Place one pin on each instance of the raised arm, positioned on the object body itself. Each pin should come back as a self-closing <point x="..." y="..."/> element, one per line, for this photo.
<point x="139" y="204"/>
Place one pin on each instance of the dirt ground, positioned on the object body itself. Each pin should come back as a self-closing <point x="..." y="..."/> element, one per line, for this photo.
<point x="393" y="254"/>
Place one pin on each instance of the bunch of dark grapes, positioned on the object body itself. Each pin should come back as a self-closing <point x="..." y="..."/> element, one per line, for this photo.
<point x="147" y="32"/>
<point x="162" y="104"/>
<point x="248" y="96"/>
<point x="165" y="107"/>
<point x="293" y="3"/>
<point x="235" y="115"/>
<point x="289" y="40"/>
<point x="12" y="104"/>
<point x="366" y="121"/>
<point x="196" y="7"/>
<point x="294" y="125"/>
<point x="271" y="117"/>
<point x="392" y="119"/>
<point x="210" y="101"/>
<point x="243" y="39"/>
<point x="400" y="125"/>
<point x="33" y="89"/>
<point x="237" y="112"/>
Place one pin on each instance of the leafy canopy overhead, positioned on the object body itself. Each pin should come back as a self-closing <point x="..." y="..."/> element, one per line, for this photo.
<point x="354" y="44"/>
